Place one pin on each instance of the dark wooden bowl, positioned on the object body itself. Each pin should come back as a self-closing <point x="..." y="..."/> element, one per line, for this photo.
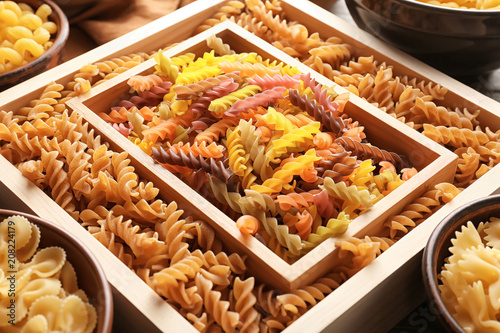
<point x="459" y="42"/>
<point x="51" y="58"/>
<point x="91" y="277"/>
<point x="437" y="249"/>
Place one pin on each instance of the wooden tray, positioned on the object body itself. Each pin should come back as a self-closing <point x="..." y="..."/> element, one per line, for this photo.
<point x="435" y="163"/>
<point x="374" y="299"/>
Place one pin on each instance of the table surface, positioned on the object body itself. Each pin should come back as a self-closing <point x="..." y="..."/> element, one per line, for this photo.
<point x="422" y="319"/>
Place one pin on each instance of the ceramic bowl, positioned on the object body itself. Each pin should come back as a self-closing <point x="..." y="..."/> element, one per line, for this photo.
<point x="50" y="58"/>
<point x="459" y="42"/>
<point x="437" y="249"/>
<point x="90" y="275"/>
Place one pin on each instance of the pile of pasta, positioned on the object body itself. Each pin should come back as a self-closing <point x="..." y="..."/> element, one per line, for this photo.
<point x="466" y="4"/>
<point x="40" y="284"/>
<point x="262" y="142"/>
<point x="178" y="255"/>
<point x="25" y="33"/>
<point x="470" y="276"/>
<point x="420" y="104"/>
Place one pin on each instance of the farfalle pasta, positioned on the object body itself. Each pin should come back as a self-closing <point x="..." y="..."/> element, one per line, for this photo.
<point x="273" y="132"/>
<point x="470" y="276"/>
<point x="46" y="296"/>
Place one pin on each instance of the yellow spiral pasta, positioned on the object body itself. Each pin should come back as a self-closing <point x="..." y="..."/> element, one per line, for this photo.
<point x="295" y="138"/>
<point x="238" y="158"/>
<point x="194" y="76"/>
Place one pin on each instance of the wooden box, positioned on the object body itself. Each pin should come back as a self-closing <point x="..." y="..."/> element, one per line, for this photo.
<point x="435" y="163"/>
<point x="375" y="298"/>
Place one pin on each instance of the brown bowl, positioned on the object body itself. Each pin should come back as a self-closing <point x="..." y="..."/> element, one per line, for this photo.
<point x="91" y="277"/>
<point x="437" y="249"/>
<point x="50" y="58"/>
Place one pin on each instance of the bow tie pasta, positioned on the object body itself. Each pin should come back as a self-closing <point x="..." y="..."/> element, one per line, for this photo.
<point x="38" y="287"/>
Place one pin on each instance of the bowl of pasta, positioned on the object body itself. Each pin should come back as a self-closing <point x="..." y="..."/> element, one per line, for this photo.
<point x="461" y="267"/>
<point x="460" y="38"/>
<point x="53" y="282"/>
<point x="33" y="36"/>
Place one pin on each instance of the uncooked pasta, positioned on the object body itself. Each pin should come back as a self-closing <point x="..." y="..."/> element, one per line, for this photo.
<point x="118" y="206"/>
<point x="470" y="275"/>
<point x="271" y="134"/>
<point x="25" y="34"/>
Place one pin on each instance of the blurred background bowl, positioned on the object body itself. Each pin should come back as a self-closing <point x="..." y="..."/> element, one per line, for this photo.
<point x="437" y="249"/>
<point x="459" y="42"/>
<point x="50" y="58"/>
<point x="90" y="275"/>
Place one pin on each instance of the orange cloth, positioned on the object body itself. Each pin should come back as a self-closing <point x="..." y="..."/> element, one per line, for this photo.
<point x="105" y="20"/>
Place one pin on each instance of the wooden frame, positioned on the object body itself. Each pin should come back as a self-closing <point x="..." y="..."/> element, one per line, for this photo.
<point x="435" y="163"/>
<point x="375" y="298"/>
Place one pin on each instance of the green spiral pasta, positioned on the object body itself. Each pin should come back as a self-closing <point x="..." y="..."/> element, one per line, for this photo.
<point x="334" y="226"/>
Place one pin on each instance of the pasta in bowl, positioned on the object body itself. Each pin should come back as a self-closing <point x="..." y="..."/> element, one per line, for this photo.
<point x="32" y="37"/>
<point x="50" y="280"/>
<point x="461" y="267"/>
<point x="458" y="40"/>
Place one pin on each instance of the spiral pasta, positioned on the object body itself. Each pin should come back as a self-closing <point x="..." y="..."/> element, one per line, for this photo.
<point x="269" y="143"/>
<point x="418" y="210"/>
